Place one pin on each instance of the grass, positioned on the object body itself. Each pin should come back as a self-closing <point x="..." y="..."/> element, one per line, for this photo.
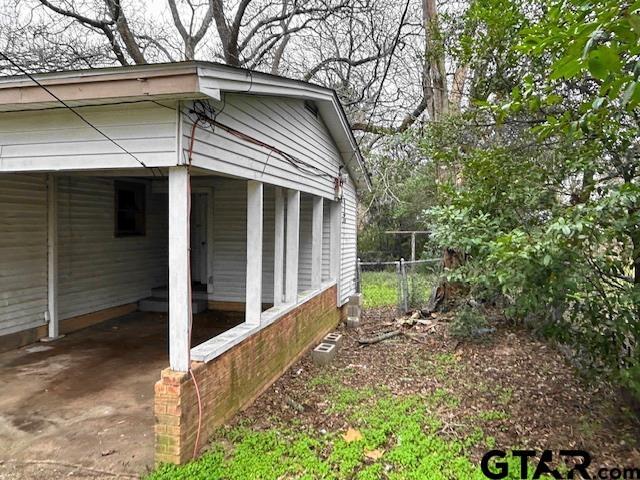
<point x="399" y="438"/>
<point x="380" y="289"/>
<point x="396" y="433"/>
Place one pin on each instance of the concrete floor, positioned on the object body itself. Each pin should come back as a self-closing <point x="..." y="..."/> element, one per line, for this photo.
<point x="87" y="399"/>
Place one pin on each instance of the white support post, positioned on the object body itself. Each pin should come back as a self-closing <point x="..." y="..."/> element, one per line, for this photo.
<point x="335" y="239"/>
<point x="316" y="243"/>
<point x="210" y="234"/>
<point x="179" y="269"/>
<point x="278" y="254"/>
<point x="52" y="256"/>
<point x="254" y="252"/>
<point x="293" y="245"/>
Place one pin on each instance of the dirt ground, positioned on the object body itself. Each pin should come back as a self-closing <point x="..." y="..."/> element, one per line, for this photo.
<point x="520" y="391"/>
<point x="87" y="401"/>
<point x="84" y="404"/>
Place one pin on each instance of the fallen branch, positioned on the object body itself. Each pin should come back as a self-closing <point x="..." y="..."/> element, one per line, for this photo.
<point x="379" y="338"/>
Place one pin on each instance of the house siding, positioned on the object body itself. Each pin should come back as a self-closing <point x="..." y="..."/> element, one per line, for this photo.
<point x="349" y="243"/>
<point x="23" y="252"/>
<point x="286" y="124"/>
<point x="326" y="240"/>
<point x="29" y="140"/>
<point x="304" y="247"/>
<point x="230" y="240"/>
<point x="96" y="269"/>
<point x="283" y="123"/>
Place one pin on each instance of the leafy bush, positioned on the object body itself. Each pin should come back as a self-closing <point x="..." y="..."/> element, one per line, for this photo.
<point x="467" y="322"/>
<point x="540" y="185"/>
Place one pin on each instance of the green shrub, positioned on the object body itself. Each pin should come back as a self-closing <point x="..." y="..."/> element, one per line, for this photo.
<point x="467" y="322"/>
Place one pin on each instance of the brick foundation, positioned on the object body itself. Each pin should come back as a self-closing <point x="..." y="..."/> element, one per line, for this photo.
<point x="234" y="379"/>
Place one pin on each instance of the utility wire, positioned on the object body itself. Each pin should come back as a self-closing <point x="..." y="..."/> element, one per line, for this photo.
<point x="205" y="113"/>
<point x="78" y="114"/>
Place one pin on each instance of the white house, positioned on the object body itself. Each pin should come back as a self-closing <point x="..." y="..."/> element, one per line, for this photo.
<point x="179" y="187"/>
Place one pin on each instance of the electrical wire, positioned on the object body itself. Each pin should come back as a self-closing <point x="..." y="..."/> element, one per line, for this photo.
<point x="207" y="114"/>
<point x="75" y="112"/>
<point x="196" y="444"/>
<point x="207" y="117"/>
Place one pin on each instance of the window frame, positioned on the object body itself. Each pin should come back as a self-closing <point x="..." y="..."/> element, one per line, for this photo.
<point x="139" y="191"/>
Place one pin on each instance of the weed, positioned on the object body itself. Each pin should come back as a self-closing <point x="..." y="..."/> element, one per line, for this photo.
<point x="492" y="415"/>
<point x="505" y="396"/>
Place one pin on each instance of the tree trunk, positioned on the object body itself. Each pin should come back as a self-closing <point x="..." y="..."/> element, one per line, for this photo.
<point x="435" y="76"/>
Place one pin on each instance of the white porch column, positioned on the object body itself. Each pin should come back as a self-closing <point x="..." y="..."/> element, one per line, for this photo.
<point x="179" y="269"/>
<point x="293" y="245"/>
<point x="52" y="256"/>
<point x="254" y="252"/>
<point x="278" y="254"/>
<point x="335" y="239"/>
<point x="316" y="243"/>
<point x="210" y="234"/>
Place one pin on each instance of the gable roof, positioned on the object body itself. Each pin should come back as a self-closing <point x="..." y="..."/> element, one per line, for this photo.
<point x="181" y="80"/>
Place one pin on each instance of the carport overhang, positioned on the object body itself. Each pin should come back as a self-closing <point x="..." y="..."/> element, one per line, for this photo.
<point x="175" y="82"/>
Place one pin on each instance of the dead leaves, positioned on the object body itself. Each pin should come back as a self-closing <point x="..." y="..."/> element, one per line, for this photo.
<point x="352" y="435"/>
<point x="374" y="454"/>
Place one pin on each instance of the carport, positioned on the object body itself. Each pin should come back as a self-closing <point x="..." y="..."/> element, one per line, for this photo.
<point x="173" y="189"/>
<point x="87" y="399"/>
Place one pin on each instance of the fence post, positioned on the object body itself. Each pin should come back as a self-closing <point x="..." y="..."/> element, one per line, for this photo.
<point x="404" y="305"/>
<point x="358" y="276"/>
<point x="399" y="277"/>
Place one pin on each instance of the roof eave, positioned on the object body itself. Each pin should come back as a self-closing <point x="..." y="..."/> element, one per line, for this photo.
<point x="185" y="80"/>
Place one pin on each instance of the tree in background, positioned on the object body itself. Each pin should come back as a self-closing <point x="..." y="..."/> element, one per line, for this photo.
<point x="545" y="201"/>
<point x="384" y="58"/>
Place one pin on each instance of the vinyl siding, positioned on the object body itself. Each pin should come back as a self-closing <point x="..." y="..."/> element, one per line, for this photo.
<point x="283" y="123"/>
<point x="348" y="243"/>
<point x="326" y="240"/>
<point x="58" y="138"/>
<point x="230" y="240"/>
<point x="304" y="247"/>
<point x="23" y="251"/>
<point x="96" y="269"/>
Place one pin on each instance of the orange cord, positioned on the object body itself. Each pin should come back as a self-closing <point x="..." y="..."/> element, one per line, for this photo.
<point x="195" y="447"/>
<point x="193" y="377"/>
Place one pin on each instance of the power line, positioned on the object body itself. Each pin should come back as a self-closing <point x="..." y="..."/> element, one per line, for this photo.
<point x="78" y="114"/>
<point x="208" y="115"/>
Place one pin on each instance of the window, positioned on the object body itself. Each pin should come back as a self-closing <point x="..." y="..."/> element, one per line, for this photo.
<point x="130" y="209"/>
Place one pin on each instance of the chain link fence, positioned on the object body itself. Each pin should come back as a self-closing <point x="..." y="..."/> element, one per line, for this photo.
<point x="407" y="285"/>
